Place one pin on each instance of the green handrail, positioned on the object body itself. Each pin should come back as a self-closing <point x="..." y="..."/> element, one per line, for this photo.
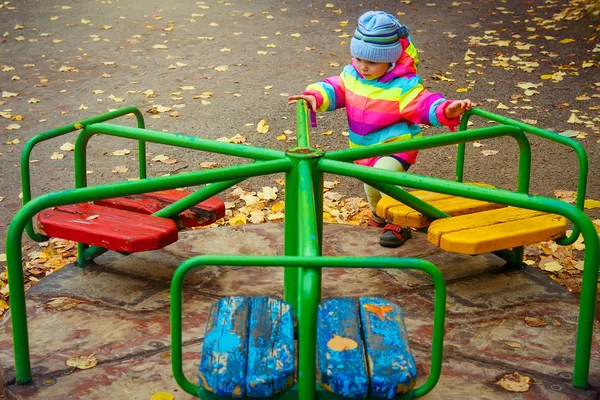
<point x="307" y="339"/>
<point x="576" y="146"/>
<point x="53" y="133"/>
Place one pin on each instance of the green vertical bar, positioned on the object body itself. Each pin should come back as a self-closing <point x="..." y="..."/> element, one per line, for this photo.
<point x="460" y="154"/>
<point x="302" y="131"/>
<point x="80" y="170"/>
<point x="290" y="233"/>
<point x="310" y="281"/>
<point x="18" y="307"/>
<point x="587" y="301"/>
<point x="142" y="158"/>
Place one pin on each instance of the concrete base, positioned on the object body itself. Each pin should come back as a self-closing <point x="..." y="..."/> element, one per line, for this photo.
<point x="124" y="317"/>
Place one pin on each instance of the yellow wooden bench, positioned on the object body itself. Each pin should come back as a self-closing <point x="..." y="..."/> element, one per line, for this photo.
<point x="400" y="214"/>
<point x="475" y="227"/>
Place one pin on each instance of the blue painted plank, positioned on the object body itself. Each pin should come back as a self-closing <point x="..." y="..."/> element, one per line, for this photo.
<point x="392" y="368"/>
<point x="270" y="347"/>
<point x="340" y="353"/>
<point x="223" y="363"/>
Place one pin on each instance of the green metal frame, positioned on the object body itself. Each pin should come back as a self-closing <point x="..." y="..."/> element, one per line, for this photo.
<point x="309" y="299"/>
<point x="304" y="167"/>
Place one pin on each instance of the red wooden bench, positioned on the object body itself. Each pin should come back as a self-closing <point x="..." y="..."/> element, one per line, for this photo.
<point x="125" y="224"/>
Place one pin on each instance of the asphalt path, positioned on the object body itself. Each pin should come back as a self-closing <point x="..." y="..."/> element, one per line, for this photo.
<point x="223" y="66"/>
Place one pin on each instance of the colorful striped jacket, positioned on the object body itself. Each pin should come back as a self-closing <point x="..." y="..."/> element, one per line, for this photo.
<point x="383" y="110"/>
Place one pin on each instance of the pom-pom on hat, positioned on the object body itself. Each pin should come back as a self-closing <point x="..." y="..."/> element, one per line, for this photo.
<point x="377" y="37"/>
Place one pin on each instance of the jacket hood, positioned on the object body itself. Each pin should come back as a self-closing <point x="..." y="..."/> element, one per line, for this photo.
<point x="407" y="63"/>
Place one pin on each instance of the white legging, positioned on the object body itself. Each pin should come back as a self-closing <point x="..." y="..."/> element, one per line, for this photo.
<point x="374" y="195"/>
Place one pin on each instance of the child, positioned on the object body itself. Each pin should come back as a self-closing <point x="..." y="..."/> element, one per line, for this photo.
<point x="385" y="101"/>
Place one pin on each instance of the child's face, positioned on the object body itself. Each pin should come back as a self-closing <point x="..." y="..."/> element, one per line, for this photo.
<point x="369" y="69"/>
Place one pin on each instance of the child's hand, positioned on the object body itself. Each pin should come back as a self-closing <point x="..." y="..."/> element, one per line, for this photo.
<point x="457" y="108"/>
<point x="310" y="99"/>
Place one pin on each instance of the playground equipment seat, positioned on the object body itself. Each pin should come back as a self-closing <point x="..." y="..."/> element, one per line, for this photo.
<point x="400" y="214"/>
<point x="111" y="228"/>
<point x="125" y="224"/>
<point x="474" y="226"/>
<point x="248" y="348"/>
<point x="204" y="213"/>
<point x="362" y="348"/>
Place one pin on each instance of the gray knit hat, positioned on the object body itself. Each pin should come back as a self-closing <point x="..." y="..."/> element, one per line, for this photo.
<point x="377" y="37"/>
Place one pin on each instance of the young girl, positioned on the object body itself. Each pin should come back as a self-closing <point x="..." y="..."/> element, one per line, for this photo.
<point x="385" y="101"/>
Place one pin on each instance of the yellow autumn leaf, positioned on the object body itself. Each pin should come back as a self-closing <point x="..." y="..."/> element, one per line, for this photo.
<point x="239" y="220"/>
<point x="326" y="133"/>
<point x="568" y="40"/>
<point x="574" y="120"/>
<point x="262" y="126"/>
<point x="281" y="137"/>
<point x="278" y="207"/>
<point x="462" y="90"/>
<point x="83" y="362"/>
<point x="162" y="396"/>
<point x="589" y="203"/>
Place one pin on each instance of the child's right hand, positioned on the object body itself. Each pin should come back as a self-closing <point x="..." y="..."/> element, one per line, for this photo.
<point x="310" y="100"/>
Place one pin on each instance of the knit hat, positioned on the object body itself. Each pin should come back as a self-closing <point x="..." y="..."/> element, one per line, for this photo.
<point x="377" y="37"/>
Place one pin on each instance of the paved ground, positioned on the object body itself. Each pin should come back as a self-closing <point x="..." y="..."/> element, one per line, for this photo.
<point x="123" y="317"/>
<point x="64" y="54"/>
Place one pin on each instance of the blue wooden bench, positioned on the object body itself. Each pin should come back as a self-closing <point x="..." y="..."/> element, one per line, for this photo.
<point x="362" y="347"/>
<point x="248" y="348"/>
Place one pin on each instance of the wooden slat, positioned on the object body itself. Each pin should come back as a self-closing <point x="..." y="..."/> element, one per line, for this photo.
<point x="270" y="348"/>
<point x="203" y="213"/>
<point x="387" y="202"/>
<point x="453" y="206"/>
<point x="340" y="353"/>
<point x="392" y="368"/>
<point x="224" y="352"/>
<point x="111" y="228"/>
<point x="503" y="235"/>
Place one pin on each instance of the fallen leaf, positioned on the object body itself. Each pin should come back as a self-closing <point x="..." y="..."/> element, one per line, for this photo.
<point x="67" y="147"/>
<point x="120" y="169"/>
<point x="514" y="382"/>
<point x="535" y="322"/>
<point x="553" y="266"/>
<point x="574" y="120"/>
<point x="238" y="220"/>
<point x="262" y="126"/>
<point x="162" y="396"/>
<point x="514" y="345"/>
<point x="123" y="152"/>
<point x="489" y="152"/>
<point x="83" y="362"/>
<point x="13" y="127"/>
<point x="222" y="68"/>
<point x="62" y="303"/>
<point x="57" y="156"/>
<point x="209" y="165"/>
<point x="339" y="343"/>
<point x="589" y="203"/>
<point x="6" y="94"/>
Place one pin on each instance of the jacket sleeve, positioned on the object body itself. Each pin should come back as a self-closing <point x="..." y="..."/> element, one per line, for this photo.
<point x="420" y="106"/>
<point x="330" y="93"/>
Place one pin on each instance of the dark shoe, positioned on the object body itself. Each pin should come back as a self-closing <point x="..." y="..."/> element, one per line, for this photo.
<point x="394" y="235"/>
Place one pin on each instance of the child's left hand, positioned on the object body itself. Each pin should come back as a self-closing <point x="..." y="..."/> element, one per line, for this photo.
<point x="457" y="108"/>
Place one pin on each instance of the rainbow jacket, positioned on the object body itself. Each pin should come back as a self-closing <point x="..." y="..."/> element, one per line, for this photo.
<point x="384" y="110"/>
